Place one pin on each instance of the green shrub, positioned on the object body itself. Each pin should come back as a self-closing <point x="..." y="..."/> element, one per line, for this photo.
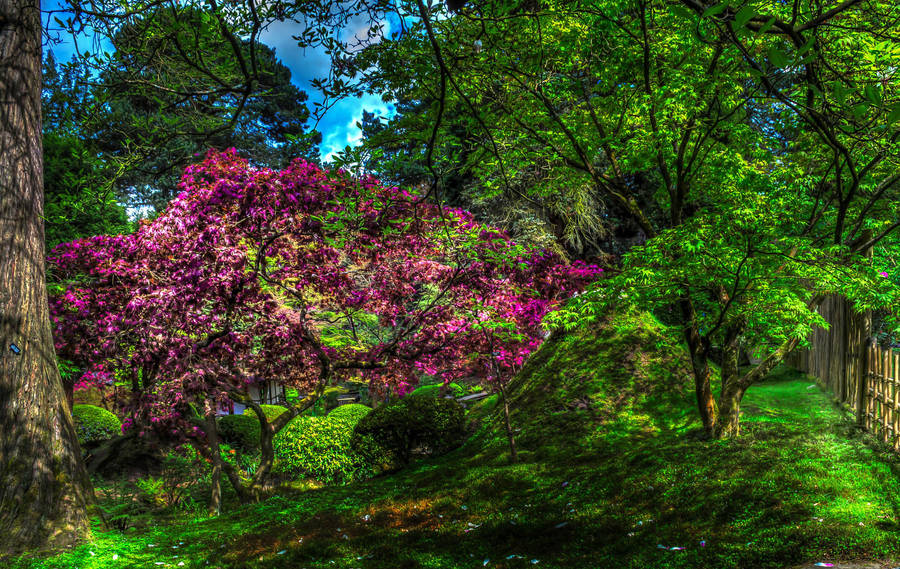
<point x="95" y="424"/>
<point x="427" y="391"/>
<point x="412" y="426"/>
<point x="438" y="390"/>
<point x="243" y="430"/>
<point x="319" y="447"/>
<point x="240" y="430"/>
<point x="270" y="411"/>
<point x="351" y="413"/>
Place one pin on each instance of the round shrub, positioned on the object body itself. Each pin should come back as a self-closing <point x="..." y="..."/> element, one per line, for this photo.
<point x="270" y="411"/>
<point x="412" y="426"/>
<point x="95" y="424"/>
<point x="318" y="447"/>
<point x="438" y="390"/>
<point x="427" y="391"/>
<point x="240" y="430"/>
<point x="351" y="413"/>
<point x="243" y="430"/>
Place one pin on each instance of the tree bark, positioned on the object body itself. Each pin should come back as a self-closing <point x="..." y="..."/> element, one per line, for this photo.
<point x="215" y="495"/>
<point x="44" y="489"/>
<point x="729" y="424"/>
<point x="513" y="455"/>
<point x="706" y="402"/>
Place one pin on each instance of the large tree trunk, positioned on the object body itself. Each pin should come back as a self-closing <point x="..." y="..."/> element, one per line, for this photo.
<point x="44" y="490"/>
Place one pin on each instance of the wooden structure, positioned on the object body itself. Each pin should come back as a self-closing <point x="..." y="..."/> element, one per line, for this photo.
<point x="861" y="374"/>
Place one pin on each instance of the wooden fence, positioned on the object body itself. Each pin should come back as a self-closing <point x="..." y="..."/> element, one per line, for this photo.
<point x="860" y="374"/>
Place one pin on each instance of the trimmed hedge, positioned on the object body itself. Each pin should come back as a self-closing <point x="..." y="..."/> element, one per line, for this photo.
<point x="240" y="430"/>
<point x="270" y="411"/>
<point x="351" y="413"/>
<point x="95" y="424"/>
<point x="243" y="430"/>
<point x="412" y="426"/>
<point x="319" y="447"/>
<point x="434" y="390"/>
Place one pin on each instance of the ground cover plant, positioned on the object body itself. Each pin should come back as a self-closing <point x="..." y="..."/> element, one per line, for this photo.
<point x="635" y="477"/>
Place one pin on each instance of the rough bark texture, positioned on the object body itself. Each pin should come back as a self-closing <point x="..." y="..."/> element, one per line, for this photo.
<point x="44" y="490"/>
<point x="706" y="402"/>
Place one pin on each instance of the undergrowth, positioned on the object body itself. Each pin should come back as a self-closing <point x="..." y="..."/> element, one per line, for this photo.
<point x="611" y="474"/>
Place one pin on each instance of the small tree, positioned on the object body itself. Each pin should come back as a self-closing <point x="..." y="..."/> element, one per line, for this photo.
<point x="301" y="276"/>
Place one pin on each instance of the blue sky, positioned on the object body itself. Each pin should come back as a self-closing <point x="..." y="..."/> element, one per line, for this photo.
<point x="338" y="127"/>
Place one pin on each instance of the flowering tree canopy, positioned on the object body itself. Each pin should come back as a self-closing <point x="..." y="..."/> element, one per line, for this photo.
<point x="301" y="276"/>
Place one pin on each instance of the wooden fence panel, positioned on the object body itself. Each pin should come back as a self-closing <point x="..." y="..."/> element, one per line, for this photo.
<point x="861" y="374"/>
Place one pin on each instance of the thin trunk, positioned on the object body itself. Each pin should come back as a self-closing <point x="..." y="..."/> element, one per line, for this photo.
<point x="706" y="403"/>
<point x="729" y="424"/>
<point x="509" y="432"/>
<point x="44" y="489"/>
<point x="215" y="498"/>
<point x="210" y="450"/>
<point x="266" y="451"/>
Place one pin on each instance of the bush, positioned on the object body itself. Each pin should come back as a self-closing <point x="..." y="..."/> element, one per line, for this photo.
<point x="438" y="390"/>
<point x="351" y="413"/>
<point x="95" y="424"/>
<point x="412" y="426"/>
<point x="270" y="411"/>
<point x="243" y="430"/>
<point x="319" y="447"/>
<point x="427" y="391"/>
<point x="240" y="430"/>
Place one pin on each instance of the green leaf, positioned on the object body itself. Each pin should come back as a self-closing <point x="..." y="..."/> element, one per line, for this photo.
<point x="715" y="10"/>
<point x="840" y="92"/>
<point x="777" y="57"/>
<point x="894" y="114"/>
<point x="681" y="12"/>
<point x="743" y="16"/>
<point x="767" y="26"/>
<point x="873" y="94"/>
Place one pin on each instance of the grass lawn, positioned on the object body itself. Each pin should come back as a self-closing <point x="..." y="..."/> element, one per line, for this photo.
<point x="611" y="474"/>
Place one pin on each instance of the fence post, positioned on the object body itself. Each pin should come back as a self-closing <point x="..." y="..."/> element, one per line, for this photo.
<point x="861" y="403"/>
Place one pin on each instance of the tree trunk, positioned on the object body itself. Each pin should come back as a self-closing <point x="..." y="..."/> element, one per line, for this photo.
<point x="729" y="424"/>
<point x="706" y="403"/>
<point x="215" y="498"/>
<point x="44" y="489"/>
<point x="509" y="432"/>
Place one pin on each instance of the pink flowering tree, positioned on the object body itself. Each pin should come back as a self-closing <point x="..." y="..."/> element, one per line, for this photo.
<point x="301" y="276"/>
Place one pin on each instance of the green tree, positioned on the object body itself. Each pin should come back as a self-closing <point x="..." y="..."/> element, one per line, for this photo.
<point x="752" y="146"/>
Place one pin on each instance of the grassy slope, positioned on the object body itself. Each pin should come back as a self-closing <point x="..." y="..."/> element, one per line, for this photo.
<point x="609" y="472"/>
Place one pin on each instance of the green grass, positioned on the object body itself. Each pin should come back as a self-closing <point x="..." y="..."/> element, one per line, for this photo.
<point x="611" y="469"/>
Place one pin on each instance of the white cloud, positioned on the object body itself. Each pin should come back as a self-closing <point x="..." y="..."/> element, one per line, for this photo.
<point x="343" y="131"/>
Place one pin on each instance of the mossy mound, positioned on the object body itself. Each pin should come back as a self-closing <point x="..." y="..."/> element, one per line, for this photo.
<point x="628" y="374"/>
<point x="95" y="424"/>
